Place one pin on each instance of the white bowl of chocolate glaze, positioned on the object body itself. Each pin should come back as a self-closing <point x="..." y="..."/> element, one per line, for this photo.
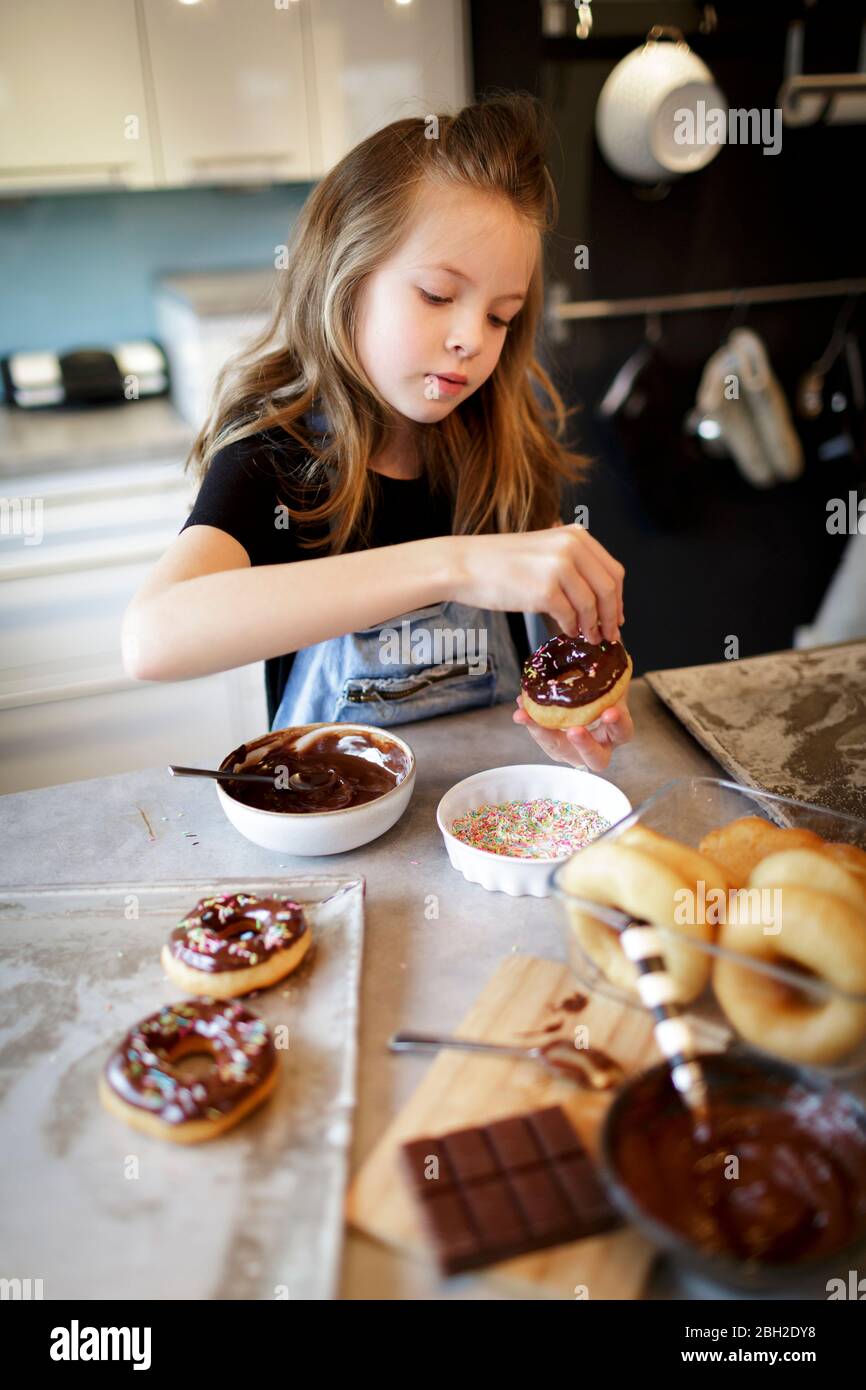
<point x="301" y="828"/>
<point x="503" y="873"/>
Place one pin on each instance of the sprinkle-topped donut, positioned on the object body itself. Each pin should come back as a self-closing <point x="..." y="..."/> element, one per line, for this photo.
<point x="570" y="681"/>
<point x="573" y="671"/>
<point x="232" y="943"/>
<point x="235" y="930"/>
<point x="143" y="1085"/>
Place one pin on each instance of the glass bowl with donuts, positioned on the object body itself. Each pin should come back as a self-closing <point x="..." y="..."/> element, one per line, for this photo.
<point x="758" y="906"/>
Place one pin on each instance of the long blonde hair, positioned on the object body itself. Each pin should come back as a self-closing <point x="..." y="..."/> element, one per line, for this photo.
<point x="496" y="453"/>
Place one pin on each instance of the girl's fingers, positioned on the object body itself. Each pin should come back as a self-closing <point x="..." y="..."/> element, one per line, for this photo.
<point x="619" y="721"/>
<point x="579" y="594"/>
<point x="599" y="586"/>
<point x="594" y="754"/>
<point x="579" y="747"/>
<point x="613" y="568"/>
<point x="563" y="614"/>
<point x="556" y="744"/>
<point x="549" y="740"/>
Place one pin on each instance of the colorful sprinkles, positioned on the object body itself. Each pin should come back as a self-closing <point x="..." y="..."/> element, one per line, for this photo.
<point x="143" y="1073"/>
<point x="543" y="828"/>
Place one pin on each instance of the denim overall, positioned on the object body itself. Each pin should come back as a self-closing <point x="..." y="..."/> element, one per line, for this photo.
<point x="441" y="659"/>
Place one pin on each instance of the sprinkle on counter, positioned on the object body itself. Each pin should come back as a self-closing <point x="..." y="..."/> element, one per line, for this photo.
<point x="543" y="828"/>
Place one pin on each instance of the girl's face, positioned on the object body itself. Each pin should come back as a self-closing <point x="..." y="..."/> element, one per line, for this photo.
<point x="433" y="319"/>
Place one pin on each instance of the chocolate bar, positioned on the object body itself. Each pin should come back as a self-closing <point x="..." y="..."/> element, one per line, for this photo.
<point x="502" y="1189"/>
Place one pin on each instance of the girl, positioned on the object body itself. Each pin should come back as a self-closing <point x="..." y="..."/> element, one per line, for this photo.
<point x="387" y="418"/>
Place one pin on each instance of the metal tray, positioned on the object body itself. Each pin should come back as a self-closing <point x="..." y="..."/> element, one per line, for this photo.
<point x="97" y="1210"/>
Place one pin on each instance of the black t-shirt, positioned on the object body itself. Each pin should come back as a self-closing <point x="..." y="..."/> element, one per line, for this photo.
<point x="242" y="492"/>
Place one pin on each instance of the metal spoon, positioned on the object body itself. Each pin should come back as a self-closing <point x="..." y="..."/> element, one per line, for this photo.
<point x="298" y="781"/>
<point x="573" y="1062"/>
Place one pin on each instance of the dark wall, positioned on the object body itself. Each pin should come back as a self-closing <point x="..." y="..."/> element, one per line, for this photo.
<point x="707" y="554"/>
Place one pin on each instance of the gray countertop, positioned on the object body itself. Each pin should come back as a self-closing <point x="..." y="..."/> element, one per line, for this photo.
<point x="70" y="437"/>
<point x="417" y="973"/>
<point x="211" y="293"/>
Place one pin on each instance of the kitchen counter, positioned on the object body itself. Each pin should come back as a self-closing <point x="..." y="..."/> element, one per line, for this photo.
<point x="418" y="973"/>
<point x="41" y="441"/>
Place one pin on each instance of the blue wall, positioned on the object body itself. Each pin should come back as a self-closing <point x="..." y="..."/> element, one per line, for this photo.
<point x="78" y="270"/>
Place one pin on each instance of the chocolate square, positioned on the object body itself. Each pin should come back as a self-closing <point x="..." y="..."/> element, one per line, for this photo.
<point x="507" y="1188"/>
<point x="586" y="1196"/>
<point x="470" y="1154"/>
<point x="416" y="1161"/>
<point x="514" y="1142"/>
<point x="555" y="1133"/>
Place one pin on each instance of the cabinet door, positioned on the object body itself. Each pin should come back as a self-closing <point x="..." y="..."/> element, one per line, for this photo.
<point x="375" y="61"/>
<point x="103" y="724"/>
<point x="72" y="104"/>
<point x="231" y="99"/>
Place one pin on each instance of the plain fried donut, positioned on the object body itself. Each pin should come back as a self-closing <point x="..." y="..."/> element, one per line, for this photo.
<point x="693" y="866"/>
<point x="234" y="943"/>
<point x="820" y="935"/>
<point x="142" y="1085"/>
<point x="743" y="843"/>
<point x="810" y="868"/>
<point x="648" y="890"/>
<point x="849" y="856"/>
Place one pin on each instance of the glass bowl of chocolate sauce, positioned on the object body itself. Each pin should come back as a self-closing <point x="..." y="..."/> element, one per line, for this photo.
<point x="333" y="787"/>
<point x="770" y="1198"/>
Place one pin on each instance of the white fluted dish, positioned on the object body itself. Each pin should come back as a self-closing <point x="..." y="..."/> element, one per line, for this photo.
<point x="503" y="873"/>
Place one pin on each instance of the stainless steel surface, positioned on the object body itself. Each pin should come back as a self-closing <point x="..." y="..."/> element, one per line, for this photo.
<point x="594" y="1076"/>
<point x="103" y="1211"/>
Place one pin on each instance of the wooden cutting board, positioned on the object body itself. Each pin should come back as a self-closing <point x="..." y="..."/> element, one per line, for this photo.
<point x="520" y="1001"/>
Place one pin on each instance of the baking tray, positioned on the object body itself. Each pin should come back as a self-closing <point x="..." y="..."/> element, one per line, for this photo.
<point x="97" y="1210"/>
<point x="791" y="722"/>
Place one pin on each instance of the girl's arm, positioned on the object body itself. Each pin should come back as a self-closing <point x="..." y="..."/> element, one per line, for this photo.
<point x="204" y="608"/>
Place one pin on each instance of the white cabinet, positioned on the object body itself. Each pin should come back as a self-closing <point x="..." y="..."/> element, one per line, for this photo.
<point x="67" y="708"/>
<point x="230" y="90"/>
<point x="375" y="61"/>
<point x="72" y="99"/>
<point x="158" y="93"/>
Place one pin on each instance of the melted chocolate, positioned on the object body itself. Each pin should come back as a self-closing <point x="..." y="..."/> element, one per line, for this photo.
<point x="236" y="930"/>
<point x="362" y="767"/>
<point x="142" y="1069"/>
<point x="574" y="1004"/>
<point x="583" y="1062"/>
<point x="571" y="671"/>
<point x="801" y="1188"/>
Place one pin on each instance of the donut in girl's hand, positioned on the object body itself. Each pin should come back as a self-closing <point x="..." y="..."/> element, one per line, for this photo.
<point x="142" y="1085"/>
<point x="233" y="943"/>
<point x="569" y="682"/>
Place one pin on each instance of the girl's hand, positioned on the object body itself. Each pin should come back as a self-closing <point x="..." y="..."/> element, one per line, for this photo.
<point x="562" y="571"/>
<point x="577" y="746"/>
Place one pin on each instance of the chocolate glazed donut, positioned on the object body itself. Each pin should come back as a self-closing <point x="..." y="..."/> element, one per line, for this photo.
<point x="569" y="681"/>
<point x="233" y="943"/>
<point x="143" y="1086"/>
